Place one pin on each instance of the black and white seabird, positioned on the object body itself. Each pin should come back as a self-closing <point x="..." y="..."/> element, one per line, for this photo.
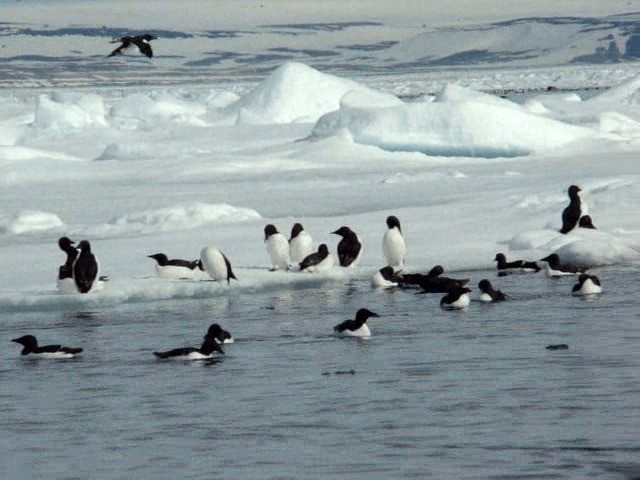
<point x="586" y="222"/>
<point x="85" y="268"/>
<point x="318" y="261"/>
<point x="386" y="277"/>
<point x="219" y="334"/>
<point x="174" y="269"/>
<point x="434" y="282"/>
<point x="488" y="293"/>
<point x="572" y="213"/>
<point x="140" y="41"/>
<point x="349" y="248"/>
<point x="65" y="281"/>
<point x="516" y="266"/>
<point x="31" y="347"/>
<point x="216" y="264"/>
<point x="300" y="244"/>
<point x="66" y="245"/>
<point x="587" y="285"/>
<point x="209" y="346"/>
<point x="394" y="248"/>
<point x="557" y="269"/>
<point x="277" y="247"/>
<point x="456" y="299"/>
<point x="357" y="327"/>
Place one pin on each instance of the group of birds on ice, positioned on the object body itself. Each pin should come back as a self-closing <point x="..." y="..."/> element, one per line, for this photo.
<point x="81" y="274"/>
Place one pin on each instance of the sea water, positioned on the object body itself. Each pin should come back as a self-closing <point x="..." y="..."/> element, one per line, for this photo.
<point x="432" y="394"/>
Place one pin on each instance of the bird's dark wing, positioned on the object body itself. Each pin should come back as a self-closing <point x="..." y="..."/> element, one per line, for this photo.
<point x="183" y="263"/>
<point x="120" y="49"/>
<point x="346" y="325"/>
<point x="49" y="349"/>
<point x="348" y="252"/>
<point x="144" y="48"/>
<point x="230" y="274"/>
<point x="176" y="352"/>
<point x="310" y="261"/>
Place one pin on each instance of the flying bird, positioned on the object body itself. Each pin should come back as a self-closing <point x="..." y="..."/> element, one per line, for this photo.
<point x="140" y="41"/>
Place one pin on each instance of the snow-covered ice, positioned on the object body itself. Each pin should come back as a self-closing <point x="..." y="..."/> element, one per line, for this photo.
<point x="175" y="169"/>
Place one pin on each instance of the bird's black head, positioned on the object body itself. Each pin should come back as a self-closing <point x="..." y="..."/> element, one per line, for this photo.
<point x="364" y="313"/>
<point x="435" y="271"/>
<point x="392" y="221"/>
<point x="65" y="242"/>
<point x="586" y="222"/>
<point x="573" y="191"/>
<point x="269" y="230"/>
<point x="343" y="231"/>
<point x="323" y="249"/>
<point x="29" y="342"/>
<point x="500" y="258"/>
<point x="148" y="37"/>
<point x="161" y="258"/>
<point x="85" y="246"/>
<point x="485" y="285"/>
<point x="215" y="331"/>
<point x="295" y="231"/>
<point x="552" y="259"/>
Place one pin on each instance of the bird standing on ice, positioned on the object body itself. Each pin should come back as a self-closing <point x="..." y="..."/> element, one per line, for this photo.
<point x="174" y="269"/>
<point x="216" y="264"/>
<point x="140" y="41"/>
<point x="572" y="213"/>
<point x="318" y="261"/>
<point x="277" y="247"/>
<point x="31" y="347"/>
<point x="357" y="327"/>
<point x="300" y="244"/>
<point x="349" y="248"/>
<point x="66" y="284"/>
<point x="393" y="245"/>
<point x="86" y="269"/>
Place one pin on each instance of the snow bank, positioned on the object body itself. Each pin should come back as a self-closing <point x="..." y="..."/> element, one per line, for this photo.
<point x="298" y="93"/>
<point x="459" y="122"/>
<point x="142" y="109"/>
<point x="181" y="217"/>
<point x="582" y="246"/>
<point x="69" y="111"/>
<point x="28" y="222"/>
<point x="129" y="151"/>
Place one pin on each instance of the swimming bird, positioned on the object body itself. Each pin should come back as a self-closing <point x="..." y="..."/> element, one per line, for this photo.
<point x="85" y="268"/>
<point x="572" y="213"/>
<point x="434" y="282"/>
<point x="30" y="345"/>
<point x="175" y="268"/>
<point x="357" y="327"/>
<point x="516" y="266"/>
<point x="349" y="248"/>
<point x="300" y="244"/>
<point x="140" y="41"/>
<point x="557" y="346"/>
<point x="277" y="247"/>
<point x="216" y="264"/>
<point x="386" y="277"/>
<point x="488" y="293"/>
<point x="456" y="299"/>
<point x="219" y="334"/>
<point x="394" y="248"/>
<point x="65" y="281"/>
<point x="587" y="285"/>
<point x="209" y="346"/>
<point x="586" y="222"/>
<point x="557" y="269"/>
<point x="318" y="261"/>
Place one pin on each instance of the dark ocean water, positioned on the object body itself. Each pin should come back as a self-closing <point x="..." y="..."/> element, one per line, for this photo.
<point x="433" y="393"/>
